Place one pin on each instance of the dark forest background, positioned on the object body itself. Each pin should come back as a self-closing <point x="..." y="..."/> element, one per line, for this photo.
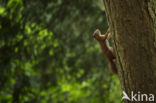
<point x="48" y="55"/>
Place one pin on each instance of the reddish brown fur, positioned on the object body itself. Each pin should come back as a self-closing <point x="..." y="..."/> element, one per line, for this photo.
<point x="107" y="51"/>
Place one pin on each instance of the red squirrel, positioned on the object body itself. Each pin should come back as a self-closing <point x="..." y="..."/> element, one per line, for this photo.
<point x="106" y="49"/>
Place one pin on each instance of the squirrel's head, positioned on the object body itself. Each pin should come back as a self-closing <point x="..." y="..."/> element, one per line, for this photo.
<point x="96" y="33"/>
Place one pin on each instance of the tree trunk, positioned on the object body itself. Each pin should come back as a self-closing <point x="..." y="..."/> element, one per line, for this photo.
<point x="133" y="26"/>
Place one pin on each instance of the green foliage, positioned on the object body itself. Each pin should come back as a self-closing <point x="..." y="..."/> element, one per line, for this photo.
<point x="47" y="54"/>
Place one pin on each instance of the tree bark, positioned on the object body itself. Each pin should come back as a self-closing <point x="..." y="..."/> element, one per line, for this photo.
<point x="133" y="26"/>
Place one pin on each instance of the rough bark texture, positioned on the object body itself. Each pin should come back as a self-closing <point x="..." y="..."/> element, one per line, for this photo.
<point x="133" y="25"/>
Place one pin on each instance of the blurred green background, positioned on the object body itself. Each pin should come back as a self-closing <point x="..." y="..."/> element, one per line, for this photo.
<point x="48" y="55"/>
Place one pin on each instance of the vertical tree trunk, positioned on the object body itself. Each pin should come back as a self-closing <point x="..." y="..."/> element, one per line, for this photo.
<point x="133" y="25"/>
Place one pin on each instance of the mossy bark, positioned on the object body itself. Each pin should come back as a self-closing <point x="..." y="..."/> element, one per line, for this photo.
<point x="133" y="25"/>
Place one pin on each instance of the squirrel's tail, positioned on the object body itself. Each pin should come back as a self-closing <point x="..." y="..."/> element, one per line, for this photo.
<point x="112" y="67"/>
